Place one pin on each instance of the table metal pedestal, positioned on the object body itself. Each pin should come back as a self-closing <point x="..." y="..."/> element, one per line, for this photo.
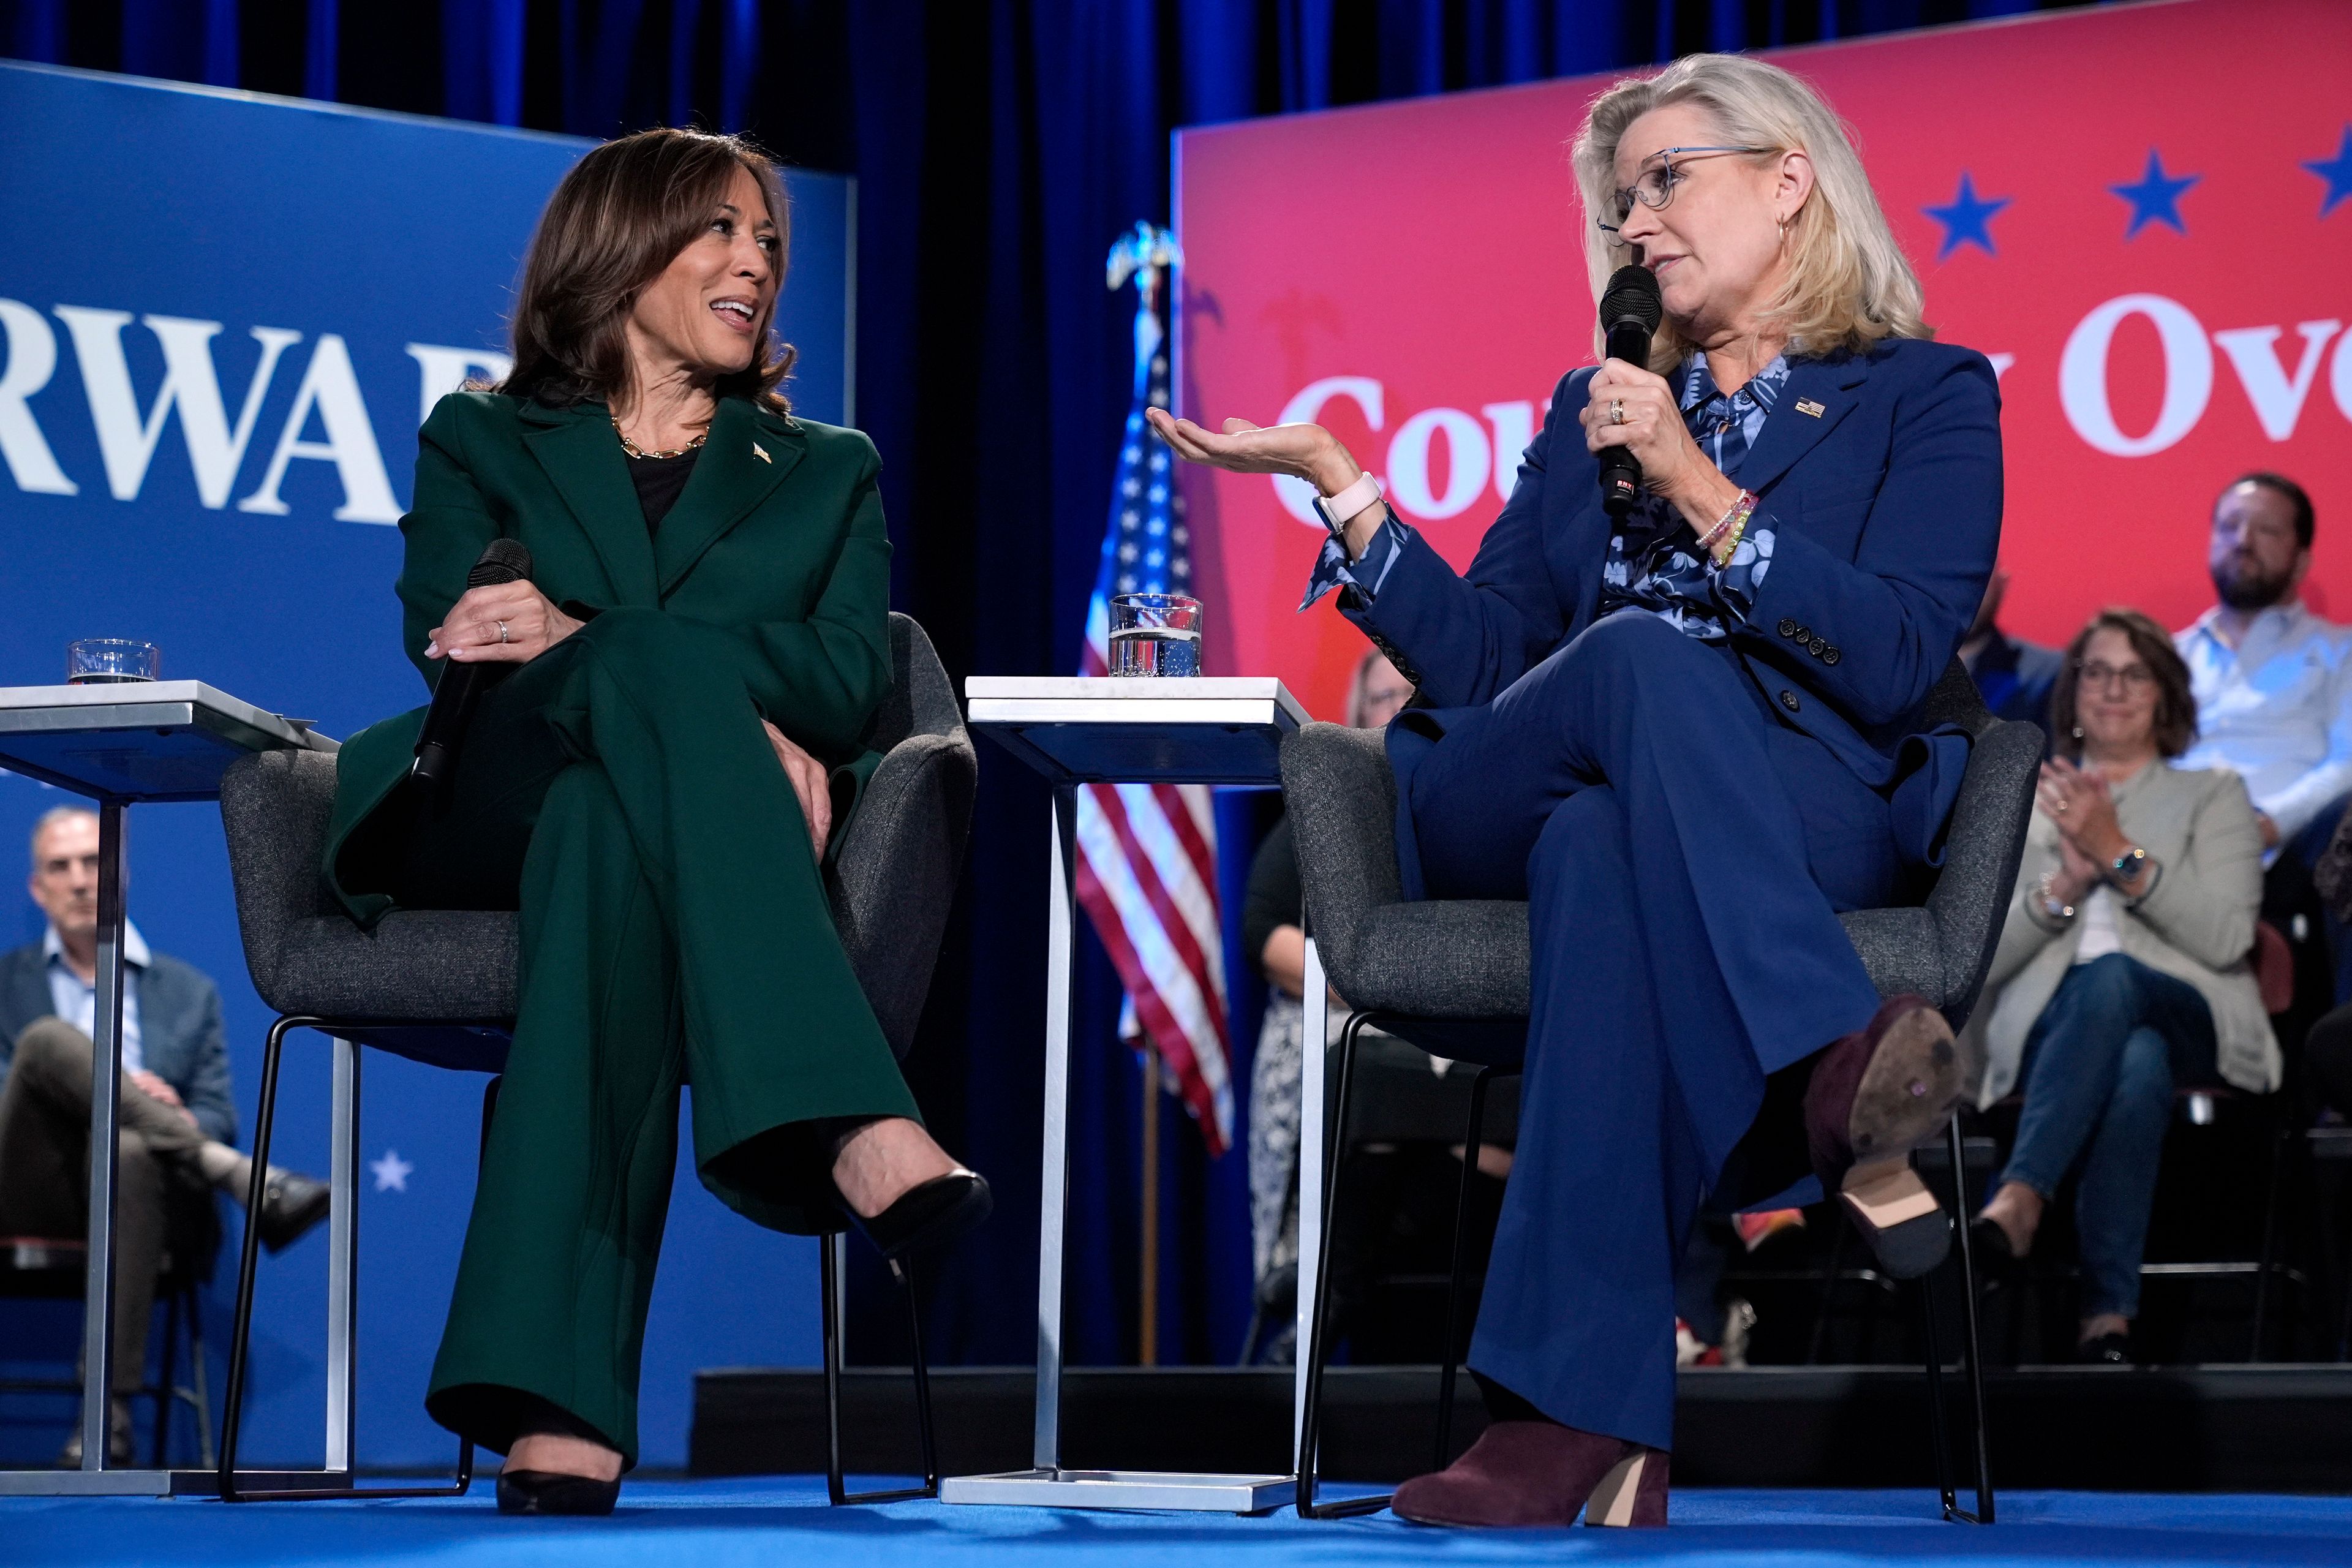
<point x="1078" y="730"/>
<point x="120" y="744"/>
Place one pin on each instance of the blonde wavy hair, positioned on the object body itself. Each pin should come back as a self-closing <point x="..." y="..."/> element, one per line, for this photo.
<point x="1849" y="285"/>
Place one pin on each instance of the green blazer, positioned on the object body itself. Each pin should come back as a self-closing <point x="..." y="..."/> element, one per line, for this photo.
<point x="777" y="542"/>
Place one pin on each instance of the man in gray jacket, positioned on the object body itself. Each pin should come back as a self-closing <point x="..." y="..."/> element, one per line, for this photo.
<point x="178" y="1120"/>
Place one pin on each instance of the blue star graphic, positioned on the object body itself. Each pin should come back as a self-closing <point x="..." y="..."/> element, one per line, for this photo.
<point x="1966" y="219"/>
<point x="2155" y="198"/>
<point x="2336" y="172"/>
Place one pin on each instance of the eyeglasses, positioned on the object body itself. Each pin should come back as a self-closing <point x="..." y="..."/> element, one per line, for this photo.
<point x="1654" y="186"/>
<point x="2136" y="677"/>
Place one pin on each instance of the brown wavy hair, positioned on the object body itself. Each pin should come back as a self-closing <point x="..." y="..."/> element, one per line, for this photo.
<point x="619" y="217"/>
<point x="2176" y="705"/>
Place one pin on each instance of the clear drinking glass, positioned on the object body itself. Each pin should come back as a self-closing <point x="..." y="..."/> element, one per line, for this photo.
<point x="1155" y="634"/>
<point x="100" y="661"/>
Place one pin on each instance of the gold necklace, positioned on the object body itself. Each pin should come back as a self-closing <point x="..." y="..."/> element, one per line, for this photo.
<point x="634" y="450"/>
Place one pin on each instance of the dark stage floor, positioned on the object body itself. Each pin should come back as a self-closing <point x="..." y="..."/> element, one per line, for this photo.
<point x="774" y="1521"/>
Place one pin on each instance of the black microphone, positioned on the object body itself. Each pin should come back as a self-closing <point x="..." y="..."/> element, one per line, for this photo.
<point x="1630" y="311"/>
<point x="461" y="684"/>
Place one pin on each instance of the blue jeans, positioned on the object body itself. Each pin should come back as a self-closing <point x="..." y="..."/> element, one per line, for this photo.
<point x="2099" y="1071"/>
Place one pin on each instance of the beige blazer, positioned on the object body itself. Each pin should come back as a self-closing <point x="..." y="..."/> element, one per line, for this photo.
<point x="2196" y="924"/>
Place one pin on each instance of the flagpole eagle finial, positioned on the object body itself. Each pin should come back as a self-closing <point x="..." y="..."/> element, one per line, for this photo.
<point x="1143" y="254"/>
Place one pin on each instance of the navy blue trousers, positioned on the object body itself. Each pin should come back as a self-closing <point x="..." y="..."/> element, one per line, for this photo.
<point x="1684" y="857"/>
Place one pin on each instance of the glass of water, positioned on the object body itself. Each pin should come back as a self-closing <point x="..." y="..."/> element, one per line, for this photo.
<point x="1155" y="634"/>
<point x="100" y="661"/>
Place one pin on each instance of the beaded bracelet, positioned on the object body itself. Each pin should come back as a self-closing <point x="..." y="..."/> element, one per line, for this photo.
<point x="1734" y="522"/>
<point x="1731" y="544"/>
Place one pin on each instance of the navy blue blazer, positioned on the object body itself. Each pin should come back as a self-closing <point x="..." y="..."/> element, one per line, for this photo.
<point x="181" y="1038"/>
<point x="1885" y="507"/>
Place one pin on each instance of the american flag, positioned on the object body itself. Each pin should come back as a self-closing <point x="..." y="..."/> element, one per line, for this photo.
<point x="1147" y="871"/>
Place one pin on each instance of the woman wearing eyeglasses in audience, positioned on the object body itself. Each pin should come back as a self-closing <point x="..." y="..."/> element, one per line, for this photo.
<point x="2124" y="969"/>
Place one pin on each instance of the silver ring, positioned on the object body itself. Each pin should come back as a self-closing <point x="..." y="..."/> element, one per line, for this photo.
<point x="1616" y="411"/>
<point x="502" y="633"/>
<point x="2062" y="806"/>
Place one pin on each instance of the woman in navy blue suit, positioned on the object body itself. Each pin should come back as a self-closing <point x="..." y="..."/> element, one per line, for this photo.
<point x="1689" y="737"/>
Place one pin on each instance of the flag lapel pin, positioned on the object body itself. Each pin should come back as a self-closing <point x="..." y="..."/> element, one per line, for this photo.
<point x="1806" y="405"/>
<point x="762" y="453"/>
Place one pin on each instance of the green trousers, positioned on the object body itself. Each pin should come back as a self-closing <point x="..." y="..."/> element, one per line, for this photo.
<point x="619" y="792"/>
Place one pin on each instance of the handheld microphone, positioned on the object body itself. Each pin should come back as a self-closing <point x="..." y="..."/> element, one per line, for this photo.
<point x="461" y="684"/>
<point x="1630" y="311"/>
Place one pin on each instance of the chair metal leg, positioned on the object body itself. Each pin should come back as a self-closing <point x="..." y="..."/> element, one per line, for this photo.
<point x="249" y="1262"/>
<point x="1972" y="1357"/>
<point x="1310" y="1437"/>
<point x="1446" y="1373"/>
<point x="200" y="1399"/>
<point x="1938" y="1422"/>
<point x="1839" y="1229"/>
<point x="162" y="1389"/>
<point x="249" y="1254"/>
<point x="829" y="1263"/>
<point x="2268" y="1259"/>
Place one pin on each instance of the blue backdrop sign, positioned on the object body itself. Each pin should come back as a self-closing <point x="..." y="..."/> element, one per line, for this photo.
<point x="222" y="317"/>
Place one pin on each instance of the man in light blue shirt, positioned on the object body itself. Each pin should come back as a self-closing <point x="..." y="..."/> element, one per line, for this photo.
<point x="178" y="1119"/>
<point x="2273" y="687"/>
<point x="74" y="999"/>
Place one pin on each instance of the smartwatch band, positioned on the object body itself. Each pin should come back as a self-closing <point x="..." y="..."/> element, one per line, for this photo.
<point x="1337" y="509"/>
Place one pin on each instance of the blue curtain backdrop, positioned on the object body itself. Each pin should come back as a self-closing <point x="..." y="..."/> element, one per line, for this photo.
<point x="999" y="146"/>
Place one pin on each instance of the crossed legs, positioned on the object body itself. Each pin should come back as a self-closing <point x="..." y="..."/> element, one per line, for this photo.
<point x="45" y="1171"/>
<point x="1676" y="847"/>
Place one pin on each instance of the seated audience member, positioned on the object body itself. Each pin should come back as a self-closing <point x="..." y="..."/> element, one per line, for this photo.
<point x="178" y="1121"/>
<point x="2013" y="676"/>
<point x="2328" y="1047"/>
<point x="2328" y="1050"/>
<point x="1273" y="930"/>
<point x="2122" y="970"/>
<point x="2274" y="685"/>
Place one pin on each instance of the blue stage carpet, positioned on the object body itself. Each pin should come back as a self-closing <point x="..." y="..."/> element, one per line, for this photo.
<point x="784" y="1523"/>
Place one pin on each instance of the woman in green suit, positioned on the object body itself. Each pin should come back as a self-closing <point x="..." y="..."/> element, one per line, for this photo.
<point x="652" y="783"/>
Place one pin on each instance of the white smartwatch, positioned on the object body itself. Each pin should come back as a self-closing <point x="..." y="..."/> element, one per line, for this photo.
<point x="1338" y="510"/>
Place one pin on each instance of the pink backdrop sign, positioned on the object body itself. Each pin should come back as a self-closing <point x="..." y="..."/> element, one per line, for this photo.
<point x="2144" y="215"/>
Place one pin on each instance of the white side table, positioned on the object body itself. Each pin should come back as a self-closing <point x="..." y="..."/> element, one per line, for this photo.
<point x="122" y="745"/>
<point x="1079" y="731"/>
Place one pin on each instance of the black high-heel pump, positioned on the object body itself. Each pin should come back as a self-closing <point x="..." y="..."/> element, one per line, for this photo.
<point x="550" y="1492"/>
<point x="927" y="1216"/>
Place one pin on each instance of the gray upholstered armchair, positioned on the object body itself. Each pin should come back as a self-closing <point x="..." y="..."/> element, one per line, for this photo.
<point x="1452" y="976"/>
<point x="438" y="986"/>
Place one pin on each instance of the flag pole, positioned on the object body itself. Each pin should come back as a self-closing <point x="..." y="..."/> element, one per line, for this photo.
<point x="1145" y="256"/>
<point x="1147" y="1337"/>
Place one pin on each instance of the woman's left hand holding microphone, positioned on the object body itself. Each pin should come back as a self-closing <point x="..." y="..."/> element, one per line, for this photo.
<point x="1626" y="405"/>
<point x="505" y="623"/>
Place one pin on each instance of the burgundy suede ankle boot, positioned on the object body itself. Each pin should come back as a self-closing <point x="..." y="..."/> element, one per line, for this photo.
<point x="1876" y="1095"/>
<point x="1537" y="1473"/>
